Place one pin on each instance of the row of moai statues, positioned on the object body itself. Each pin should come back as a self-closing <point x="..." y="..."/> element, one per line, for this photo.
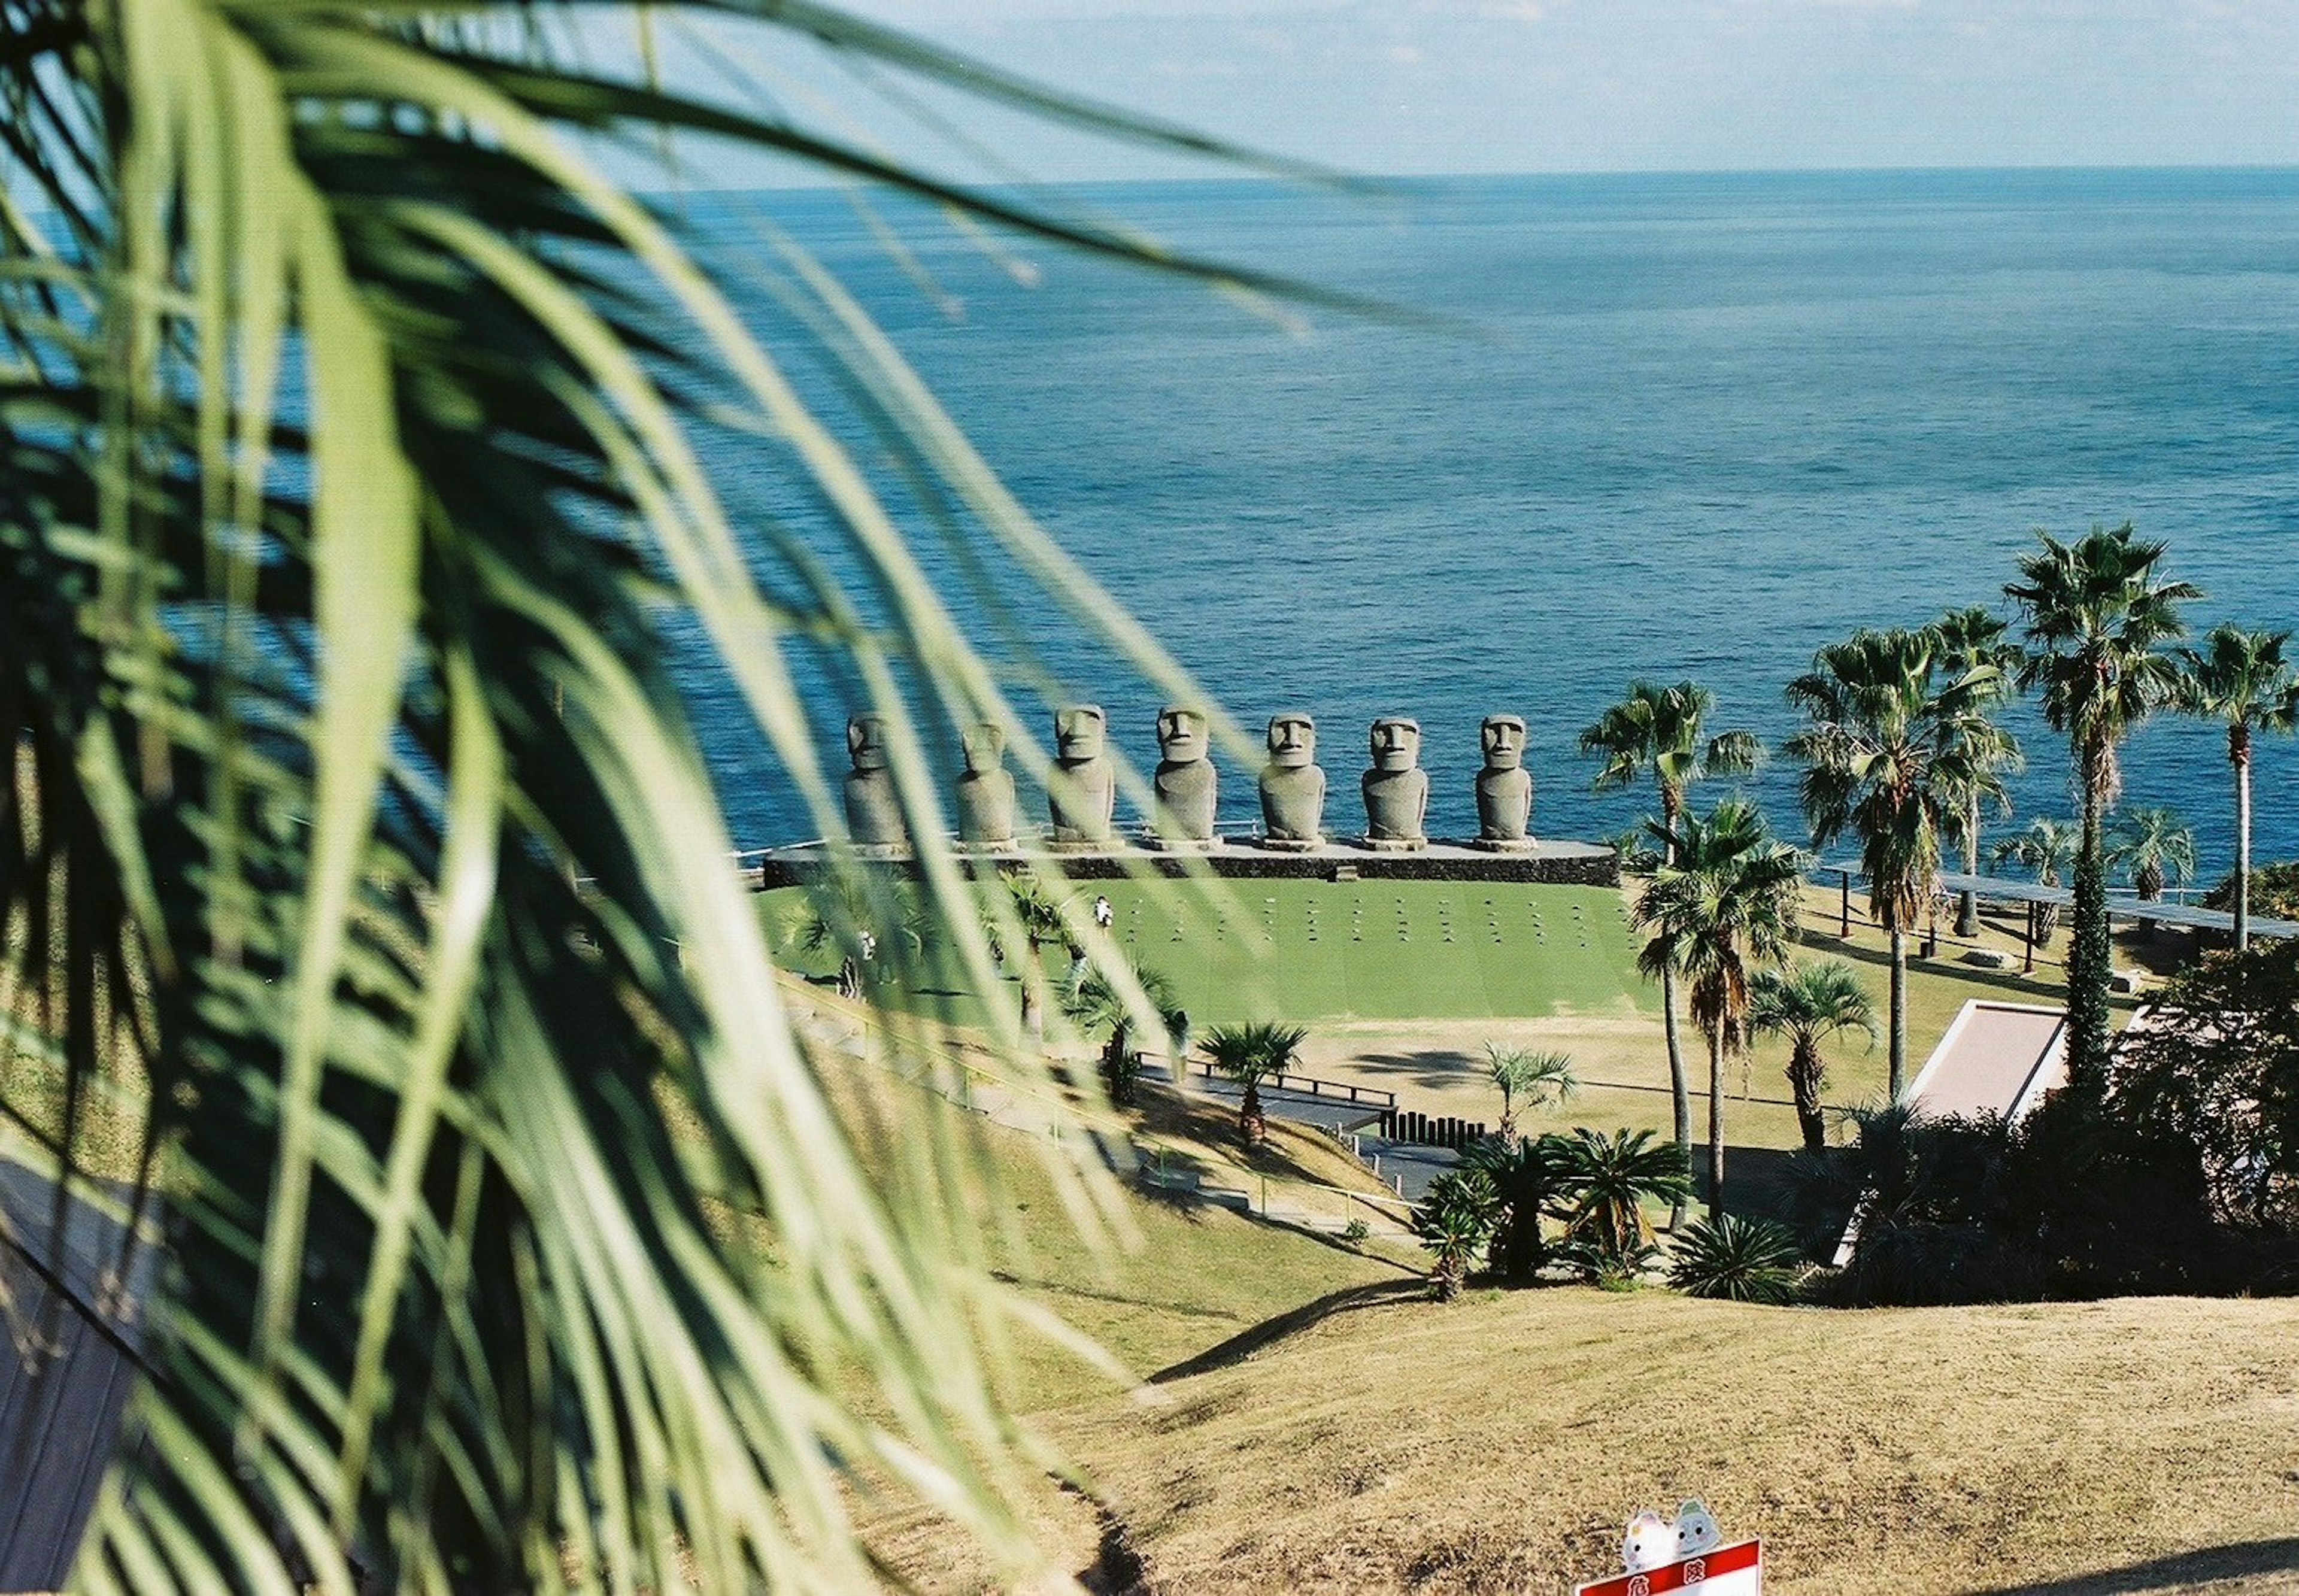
<point x="1082" y="788"/>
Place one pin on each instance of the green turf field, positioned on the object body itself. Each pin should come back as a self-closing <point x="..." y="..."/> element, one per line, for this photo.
<point x="1373" y="950"/>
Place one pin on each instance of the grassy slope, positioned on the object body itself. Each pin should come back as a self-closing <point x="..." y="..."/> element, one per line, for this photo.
<point x="1500" y="1443"/>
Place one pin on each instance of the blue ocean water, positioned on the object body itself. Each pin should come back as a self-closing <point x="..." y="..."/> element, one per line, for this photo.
<point x="1695" y="426"/>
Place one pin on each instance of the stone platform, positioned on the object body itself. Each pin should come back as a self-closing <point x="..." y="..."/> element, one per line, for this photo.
<point x="1549" y="863"/>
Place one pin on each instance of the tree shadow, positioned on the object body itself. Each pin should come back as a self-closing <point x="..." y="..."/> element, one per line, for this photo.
<point x="1246" y="1342"/>
<point x="1430" y="1066"/>
<point x="2172" y="1573"/>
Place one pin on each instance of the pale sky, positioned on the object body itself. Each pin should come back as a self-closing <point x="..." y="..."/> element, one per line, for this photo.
<point x="1484" y="85"/>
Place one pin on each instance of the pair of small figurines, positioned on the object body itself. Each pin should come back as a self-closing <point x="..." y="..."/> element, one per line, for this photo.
<point x="1081" y="788"/>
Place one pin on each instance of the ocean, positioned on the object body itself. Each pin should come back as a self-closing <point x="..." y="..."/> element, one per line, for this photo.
<point x="1678" y="426"/>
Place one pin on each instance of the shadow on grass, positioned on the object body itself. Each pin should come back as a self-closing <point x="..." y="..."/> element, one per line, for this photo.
<point x="2171" y="1572"/>
<point x="1246" y="1342"/>
<point x="1064" y="1289"/>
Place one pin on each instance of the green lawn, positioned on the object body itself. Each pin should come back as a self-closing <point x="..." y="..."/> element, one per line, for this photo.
<point x="1310" y="951"/>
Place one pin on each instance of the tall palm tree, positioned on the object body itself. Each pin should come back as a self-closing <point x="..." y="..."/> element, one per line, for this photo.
<point x="1663" y="732"/>
<point x="2098" y="618"/>
<point x="1972" y="639"/>
<point x="1808" y="1003"/>
<point x="1892" y="754"/>
<point x="2156" y="846"/>
<point x="1250" y="1054"/>
<point x="2243" y="679"/>
<point x="1538" y="1078"/>
<point x="1112" y="1009"/>
<point x="359" y="434"/>
<point x="1727" y="902"/>
<point x="2047" y="847"/>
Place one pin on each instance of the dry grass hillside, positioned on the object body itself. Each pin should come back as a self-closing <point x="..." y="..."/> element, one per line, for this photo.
<point x="1498" y="1444"/>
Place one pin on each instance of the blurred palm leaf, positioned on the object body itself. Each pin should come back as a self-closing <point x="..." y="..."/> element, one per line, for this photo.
<point x="355" y="427"/>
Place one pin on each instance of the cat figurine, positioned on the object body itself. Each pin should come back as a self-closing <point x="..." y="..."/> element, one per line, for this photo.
<point x="1651" y="1542"/>
<point x="1695" y="1529"/>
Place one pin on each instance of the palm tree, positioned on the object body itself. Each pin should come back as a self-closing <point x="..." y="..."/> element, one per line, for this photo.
<point x="1038" y="920"/>
<point x="1728" y="901"/>
<point x="1111" y="1008"/>
<point x="1609" y="1179"/>
<point x="1538" y="1078"/>
<point x="1974" y="639"/>
<point x="2048" y="848"/>
<point x="1529" y="1178"/>
<point x="2098" y="618"/>
<point x="2243" y="679"/>
<point x="1454" y="1221"/>
<point x="360" y="436"/>
<point x="1665" y="731"/>
<point x="2156" y="846"/>
<point x="1893" y="755"/>
<point x="1808" y="1003"/>
<point x="1250" y="1054"/>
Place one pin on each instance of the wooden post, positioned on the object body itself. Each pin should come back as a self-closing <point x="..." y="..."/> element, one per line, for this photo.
<point x="1845" y="878"/>
<point x="2027" y="941"/>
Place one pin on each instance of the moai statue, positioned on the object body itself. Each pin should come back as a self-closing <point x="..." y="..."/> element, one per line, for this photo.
<point x="1082" y="788"/>
<point x="874" y="814"/>
<point x="1188" y="786"/>
<point x="1504" y="788"/>
<point x="985" y="793"/>
<point x="1292" y="787"/>
<point x="1397" y="788"/>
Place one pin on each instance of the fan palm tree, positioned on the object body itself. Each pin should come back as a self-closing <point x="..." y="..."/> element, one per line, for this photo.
<point x="1101" y="1006"/>
<point x="2156" y="846"/>
<point x="2242" y="679"/>
<point x="1808" y="1003"/>
<point x="1250" y="1054"/>
<point x="2098" y="618"/>
<point x="1893" y="755"/>
<point x="2047" y="848"/>
<point x="1663" y="732"/>
<point x="1973" y="639"/>
<point x="1037" y="922"/>
<point x="1728" y="901"/>
<point x="360" y="432"/>
<point x="1537" y="1078"/>
<point x="1609" y="1179"/>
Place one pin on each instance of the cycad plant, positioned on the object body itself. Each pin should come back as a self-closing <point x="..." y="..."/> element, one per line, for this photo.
<point x="1250" y="1054"/>
<point x="1733" y="1259"/>
<point x="1528" y="1078"/>
<point x="1608" y="1182"/>
<point x="362" y="439"/>
<point x="1454" y="1221"/>
<point x="2099" y="619"/>
<point x="1530" y="1178"/>
<point x="1663" y="732"/>
<point x="1808" y="1003"/>
<point x="1726" y="906"/>
<point x="2243" y="680"/>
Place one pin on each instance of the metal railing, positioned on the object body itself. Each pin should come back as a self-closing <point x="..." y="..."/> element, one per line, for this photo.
<point x="1310" y="1085"/>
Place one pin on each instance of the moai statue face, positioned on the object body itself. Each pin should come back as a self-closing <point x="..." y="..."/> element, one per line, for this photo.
<point x="985" y="747"/>
<point x="865" y="743"/>
<point x="1396" y="745"/>
<point x="1292" y="741"/>
<point x="1503" y="740"/>
<point x="1182" y="735"/>
<point x="1080" y="732"/>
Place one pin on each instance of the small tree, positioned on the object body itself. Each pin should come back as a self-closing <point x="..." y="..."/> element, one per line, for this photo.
<point x="1536" y="1079"/>
<point x="1737" y="1260"/>
<point x="1531" y="1179"/>
<point x="1808" y="1003"/>
<point x="1041" y="925"/>
<point x="2155" y="847"/>
<point x="1249" y="1054"/>
<point x="1100" y="1007"/>
<point x="2047" y="850"/>
<point x="1454" y="1221"/>
<point x="1607" y="1181"/>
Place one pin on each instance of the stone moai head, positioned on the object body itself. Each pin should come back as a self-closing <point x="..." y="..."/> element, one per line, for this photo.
<point x="866" y="742"/>
<point x="1292" y="741"/>
<point x="1182" y="735"/>
<point x="985" y="747"/>
<point x="1503" y="740"/>
<point x="1080" y="732"/>
<point x="1396" y="744"/>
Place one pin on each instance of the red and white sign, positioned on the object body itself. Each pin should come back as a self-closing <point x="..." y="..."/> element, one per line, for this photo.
<point x="1726" y="1571"/>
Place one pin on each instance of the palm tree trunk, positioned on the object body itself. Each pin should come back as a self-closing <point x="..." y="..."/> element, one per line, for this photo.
<point x="1672" y="805"/>
<point x="2239" y="755"/>
<point x="1715" y="1123"/>
<point x="1251" y="1122"/>
<point x="2089" y="955"/>
<point x="1034" y="997"/>
<point x="1967" y="903"/>
<point x="1804" y="1086"/>
<point x="1896" y="1045"/>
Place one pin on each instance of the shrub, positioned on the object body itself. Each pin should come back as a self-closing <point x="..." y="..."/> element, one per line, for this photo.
<point x="1737" y="1260"/>
<point x="1454" y="1222"/>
